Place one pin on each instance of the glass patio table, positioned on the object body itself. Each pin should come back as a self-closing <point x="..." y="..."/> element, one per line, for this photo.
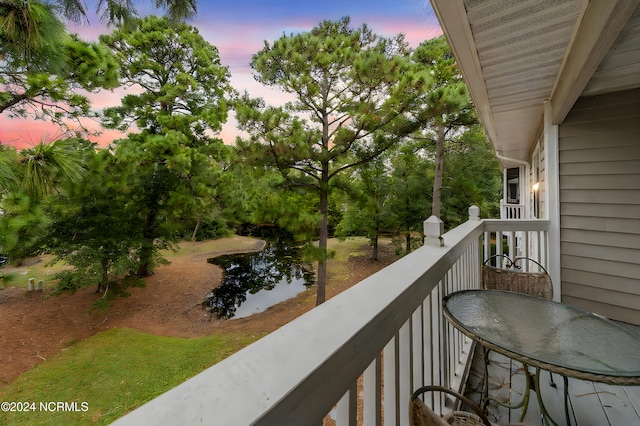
<point x="547" y="335"/>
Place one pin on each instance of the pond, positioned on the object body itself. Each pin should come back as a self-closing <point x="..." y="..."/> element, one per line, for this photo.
<point x="252" y="282"/>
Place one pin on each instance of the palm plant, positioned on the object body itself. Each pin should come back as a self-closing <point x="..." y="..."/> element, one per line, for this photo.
<point x="42" y="165"/>
<point x="31" y="35"/>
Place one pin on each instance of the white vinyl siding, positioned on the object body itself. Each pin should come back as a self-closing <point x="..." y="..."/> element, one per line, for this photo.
<point x="600" y="205"/>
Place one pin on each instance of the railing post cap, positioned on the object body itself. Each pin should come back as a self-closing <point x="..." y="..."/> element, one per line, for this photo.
<point x="433" y="230"/>
<point x="474" y="213"/>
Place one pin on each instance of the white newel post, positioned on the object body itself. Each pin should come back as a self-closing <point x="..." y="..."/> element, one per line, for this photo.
<point x="433" y="230"/>
<point x="474" y="213"/>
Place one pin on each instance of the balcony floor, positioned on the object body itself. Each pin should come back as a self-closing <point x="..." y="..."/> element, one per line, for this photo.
<point x="590" y="403"/>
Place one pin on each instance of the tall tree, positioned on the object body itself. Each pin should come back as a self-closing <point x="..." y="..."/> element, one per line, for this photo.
<point x="182" y="100"/>
<point x="446" y="106"/>
<point x="351" y="89"/>
<point x="411" y="172"/>
<point x="95" y="224"/>
<point x="367" y="203"/>
<point x="473" y="176"/>
<point x="43" y="66"/>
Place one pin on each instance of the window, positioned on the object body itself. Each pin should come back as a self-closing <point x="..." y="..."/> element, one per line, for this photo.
<point x="513" y="185"/>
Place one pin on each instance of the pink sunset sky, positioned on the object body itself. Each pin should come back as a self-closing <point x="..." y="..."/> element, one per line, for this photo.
<point x="238" y="30"/>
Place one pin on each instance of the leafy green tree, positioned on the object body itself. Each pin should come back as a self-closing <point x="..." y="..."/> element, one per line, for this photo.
<point x="473" y="176"/>
<point x="43" y="67"/>
<point x="94" y="229"/>
<point x="183" y="99"/>
<point x="22" y="224"/>
<point x="411" y="174"/>
<point x="446" y="106"/>
<point x="367" y="207"/>
<point x="36" y="173"/>
<point x="351" y="89"/>
<point x="8" y="168"/>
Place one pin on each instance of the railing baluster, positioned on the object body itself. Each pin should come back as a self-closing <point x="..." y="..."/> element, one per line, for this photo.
<point x="487" y="245"/>
<point x="391" y="381"/>
<point x="405" y="372"/>
<point x="372" y="393"/>
<point x="417" y="349"/>
<point x="347" y="411"/>
<point x="428" y="358"/>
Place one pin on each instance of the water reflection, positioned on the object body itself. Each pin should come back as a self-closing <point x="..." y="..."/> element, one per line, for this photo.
<point x="254" y="281"/>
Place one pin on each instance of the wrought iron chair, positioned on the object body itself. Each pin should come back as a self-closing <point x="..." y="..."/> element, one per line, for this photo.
<point x="420" y="414"/>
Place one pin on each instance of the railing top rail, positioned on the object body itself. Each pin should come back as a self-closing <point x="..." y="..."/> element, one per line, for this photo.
<point x="274" y="380"/>
<point x="513" y="225"/>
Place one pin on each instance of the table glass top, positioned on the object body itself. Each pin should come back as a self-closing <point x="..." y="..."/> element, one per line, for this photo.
<point x="550" y="332"/>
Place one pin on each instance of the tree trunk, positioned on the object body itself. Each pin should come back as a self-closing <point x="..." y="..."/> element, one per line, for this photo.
<point x="374" y="251"/>
<point x="104" y="267"/>
<point x="145" y="268"/>
<point x="324" y="237"/>
<point x="438" y="178"/>
<point x="195" y="230"/>
<point x="407" y="208"/>
<point x="408" y="241"/>
<point x="146" y="255"/>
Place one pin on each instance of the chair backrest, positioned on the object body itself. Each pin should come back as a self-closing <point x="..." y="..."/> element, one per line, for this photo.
<point x="515" y="280"/>
<point x="421" y="415"/>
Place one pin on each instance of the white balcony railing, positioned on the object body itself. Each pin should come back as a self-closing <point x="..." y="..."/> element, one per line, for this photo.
<point x="512" y="211"/>
<point x="357" y="357"/>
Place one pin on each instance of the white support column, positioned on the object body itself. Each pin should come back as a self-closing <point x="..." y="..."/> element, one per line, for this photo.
<point x="505" y="189"/>
<point x="523" y="176"/>
<point x="552" y="177"/>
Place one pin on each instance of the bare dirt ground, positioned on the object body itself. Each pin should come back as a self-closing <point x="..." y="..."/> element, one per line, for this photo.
<point x="35" y="327"/>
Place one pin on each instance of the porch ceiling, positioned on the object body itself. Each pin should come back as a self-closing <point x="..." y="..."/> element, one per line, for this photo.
<point x="515" y="55"/>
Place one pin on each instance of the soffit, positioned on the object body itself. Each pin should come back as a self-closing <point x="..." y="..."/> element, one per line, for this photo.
<point x="514" y="55"/>
<point x="520" y="47"/>
<point x="620" y="69"/>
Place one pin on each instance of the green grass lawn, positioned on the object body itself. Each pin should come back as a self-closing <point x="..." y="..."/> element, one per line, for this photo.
<point x="113" y="372"/>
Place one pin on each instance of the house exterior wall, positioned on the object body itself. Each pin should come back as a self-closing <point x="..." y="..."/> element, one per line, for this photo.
<point x="599" y="178"/>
